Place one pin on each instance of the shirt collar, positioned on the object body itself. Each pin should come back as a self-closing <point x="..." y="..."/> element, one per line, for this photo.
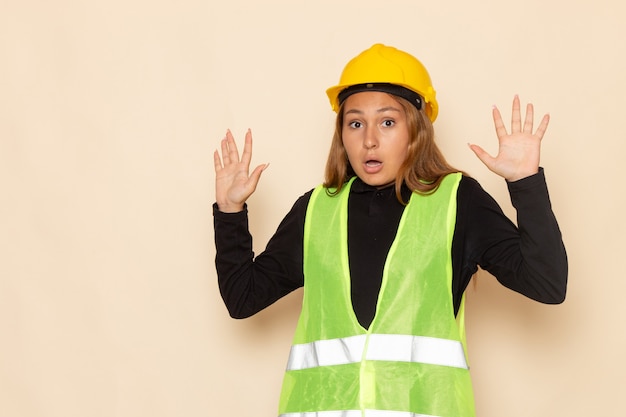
<point x="358" y="186"/>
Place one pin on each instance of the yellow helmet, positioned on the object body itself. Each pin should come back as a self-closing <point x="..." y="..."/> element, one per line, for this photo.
<point x="385" y="68"/>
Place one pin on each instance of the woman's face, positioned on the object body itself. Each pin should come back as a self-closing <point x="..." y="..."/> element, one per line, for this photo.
<point x="375" y="135"/>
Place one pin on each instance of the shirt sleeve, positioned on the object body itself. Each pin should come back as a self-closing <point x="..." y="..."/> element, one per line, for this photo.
<point x="529" y="258"/>
<point x="247" y="283"/>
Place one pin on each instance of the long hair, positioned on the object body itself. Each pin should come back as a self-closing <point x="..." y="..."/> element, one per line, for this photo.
<point x="423" y="169"/>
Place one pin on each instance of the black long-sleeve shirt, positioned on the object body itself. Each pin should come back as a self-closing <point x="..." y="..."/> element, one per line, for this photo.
<point x="529" y="259"/>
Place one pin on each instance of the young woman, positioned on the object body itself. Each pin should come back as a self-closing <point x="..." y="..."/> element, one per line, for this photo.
<point x="386" y="247"/>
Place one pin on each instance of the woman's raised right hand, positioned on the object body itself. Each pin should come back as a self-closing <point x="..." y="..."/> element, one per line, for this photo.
<point x="233" y="183"/>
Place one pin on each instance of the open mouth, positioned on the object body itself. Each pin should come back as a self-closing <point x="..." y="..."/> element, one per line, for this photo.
<point x="372" y="163"/>
<point x="372" y="166"/>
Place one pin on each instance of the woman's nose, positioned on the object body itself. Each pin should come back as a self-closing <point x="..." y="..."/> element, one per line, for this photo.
<point x="371" y="138"/>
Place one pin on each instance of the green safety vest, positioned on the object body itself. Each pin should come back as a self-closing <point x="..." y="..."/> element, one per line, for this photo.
<point x="411" y="362"/>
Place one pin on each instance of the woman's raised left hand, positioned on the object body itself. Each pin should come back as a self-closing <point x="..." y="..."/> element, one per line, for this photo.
<point x="518" y="151"/>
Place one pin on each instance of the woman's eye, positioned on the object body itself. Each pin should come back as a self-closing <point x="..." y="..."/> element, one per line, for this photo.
<point x="355" y="124"/>
<point x="388" y="123"/>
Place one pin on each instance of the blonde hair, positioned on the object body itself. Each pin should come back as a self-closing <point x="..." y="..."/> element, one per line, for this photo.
<point x="423" y="169"/>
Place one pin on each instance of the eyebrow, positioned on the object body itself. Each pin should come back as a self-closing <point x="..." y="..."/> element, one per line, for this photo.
<point x="381" y="110"/>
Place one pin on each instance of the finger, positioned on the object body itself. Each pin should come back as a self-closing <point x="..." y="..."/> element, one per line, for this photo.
<point x="498" y="123"/>
<point x="233" y="153"/>
<point x="485" y="158"/>
<point x="528" y="120"/>
<point x="217" y="161"/>
<point x="543" y="126"/>
<point x="256" y="175"/>
<point x="246" y="157"/>
<point x="516" y="117"/>
<point x="224" y="146"/>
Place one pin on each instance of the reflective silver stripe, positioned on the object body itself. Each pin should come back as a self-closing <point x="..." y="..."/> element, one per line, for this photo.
<point x="380" y="347"/>
<point x="327" y="352"/>
<point x="356" y="413"/>
<point x="421" y="349"/>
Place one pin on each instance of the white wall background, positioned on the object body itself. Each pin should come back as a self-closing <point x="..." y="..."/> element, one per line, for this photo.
<point x="110" y="112"/>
